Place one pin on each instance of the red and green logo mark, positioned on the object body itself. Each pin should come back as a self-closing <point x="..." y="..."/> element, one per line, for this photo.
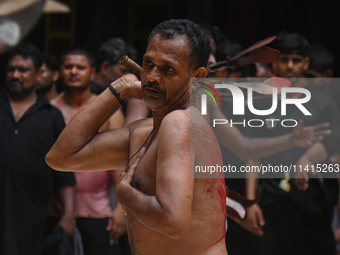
<point x="209" y="93"/>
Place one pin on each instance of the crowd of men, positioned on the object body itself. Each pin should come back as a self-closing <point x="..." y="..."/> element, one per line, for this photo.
<point x="81" y="156"/>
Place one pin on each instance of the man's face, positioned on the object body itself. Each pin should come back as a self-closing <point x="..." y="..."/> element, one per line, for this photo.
<point x="290" y="66"/>
<point x="166" y="72"/>
<point x="115" y="72"/>
<point x="76" y="71"/>
<point x="21" y="75"/>
<point x="45" y="78"/>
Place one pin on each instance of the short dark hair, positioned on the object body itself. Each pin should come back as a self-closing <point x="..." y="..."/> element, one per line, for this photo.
<point x="321" y="59"/>
<point x="27" y="50"/>
<point x="199" y="40"/>
<point x="291" y="43"/>
<point x="77" y="51"/>
<point x="50" y="61"/>
<point x="228" y="48"/>
<point x="112" y="50"/>
<point x="214" y="32"/>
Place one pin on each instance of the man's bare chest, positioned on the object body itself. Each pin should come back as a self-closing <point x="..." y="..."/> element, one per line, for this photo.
<point x="144" y="178"/>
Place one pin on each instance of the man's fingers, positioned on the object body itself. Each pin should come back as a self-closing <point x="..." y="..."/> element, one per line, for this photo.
<point x="139" y="156"/>
<point x="322" y="132"/>
<point x="321" y="126"/>
<point x="257" y="231"/>
<point x="118" y="232"/>
<point x="300" y="125"/>
<point x="316" y="139"/>
<point x="301" y="183"/>
<point x="260" y="220"/>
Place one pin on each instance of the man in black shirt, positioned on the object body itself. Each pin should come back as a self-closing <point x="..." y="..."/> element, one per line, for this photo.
<point x="29" y="126"/>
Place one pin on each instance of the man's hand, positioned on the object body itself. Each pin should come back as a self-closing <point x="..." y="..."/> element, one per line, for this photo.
<point x="254" y="220"/>
<point x="304" y="137"/>
<point x="68" y="224"/>
<point x="132" y="87"/>
<point x="301" y="175"/>
<point x="117" y="223"/>
<point x="335" y="159"/>
<point x="126" y="178"/>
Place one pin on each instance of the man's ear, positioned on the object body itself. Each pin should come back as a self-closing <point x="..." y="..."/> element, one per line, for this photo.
<point x="200" y="72"/>
<point x="93" y="73"/>
<point x="306" y="63"/>
<point x="55" y="76"/>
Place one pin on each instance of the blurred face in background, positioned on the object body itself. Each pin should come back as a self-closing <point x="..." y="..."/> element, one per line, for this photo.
<point x="46" y="78"/>
<point x="76" y="72"/>
<point x="21" y="75"/>
<point x="290" y="65"/>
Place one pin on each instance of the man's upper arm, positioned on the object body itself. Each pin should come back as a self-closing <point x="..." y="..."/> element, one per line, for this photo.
<point x="174" y="186"/>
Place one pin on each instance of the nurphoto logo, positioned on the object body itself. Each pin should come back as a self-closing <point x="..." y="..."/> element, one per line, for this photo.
<point x="239" y="102"/>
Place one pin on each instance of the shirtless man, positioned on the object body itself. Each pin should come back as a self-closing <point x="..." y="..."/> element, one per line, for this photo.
<point x="92" y="192"/>
<point x="168" y="212"/>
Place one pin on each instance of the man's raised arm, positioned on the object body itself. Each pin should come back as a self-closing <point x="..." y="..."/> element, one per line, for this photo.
<point x="80" y="147"/>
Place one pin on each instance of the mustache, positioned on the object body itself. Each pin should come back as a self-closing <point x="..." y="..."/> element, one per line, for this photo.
<point x="153" y="85"/>
<point x="11" y="81"/>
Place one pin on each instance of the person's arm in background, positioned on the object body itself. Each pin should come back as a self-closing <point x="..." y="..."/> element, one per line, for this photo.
<point x="247" y="148"/>
<point x="67" y="222"/>
<point x="254" y="216"/>
<point x="315" y="154"/>
<point x="117" y="222"/>
<point x="320" y="151"/>
<point x="64" y="188"/>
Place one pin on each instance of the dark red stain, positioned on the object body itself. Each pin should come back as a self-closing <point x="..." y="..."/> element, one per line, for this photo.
<point x="219" y="240"/>
<point x="210" y="192"/>
<point x="222" y="193"/>
<point x="79" y="103"/>
<point x="221" y="190"/>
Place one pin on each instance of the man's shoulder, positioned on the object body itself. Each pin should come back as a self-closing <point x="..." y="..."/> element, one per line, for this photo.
<point x="177" y="115"/>
<point x="188" y="122"/>
<point x="56" y="100"/>
<point x="178" y="119"/>
<point x="139" y="125"/>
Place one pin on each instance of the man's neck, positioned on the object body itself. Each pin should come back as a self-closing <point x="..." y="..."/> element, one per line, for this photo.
<point x="21" y="103"/>
<point x="76" y="98"/>
<point x="99" y="80"/>
<point x="160" y="114"/>
<point x="23" y="98"/>
<point x="51" y="93"/>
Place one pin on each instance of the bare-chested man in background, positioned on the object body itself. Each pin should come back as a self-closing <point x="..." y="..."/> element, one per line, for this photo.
<point x="168" y="212"/>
